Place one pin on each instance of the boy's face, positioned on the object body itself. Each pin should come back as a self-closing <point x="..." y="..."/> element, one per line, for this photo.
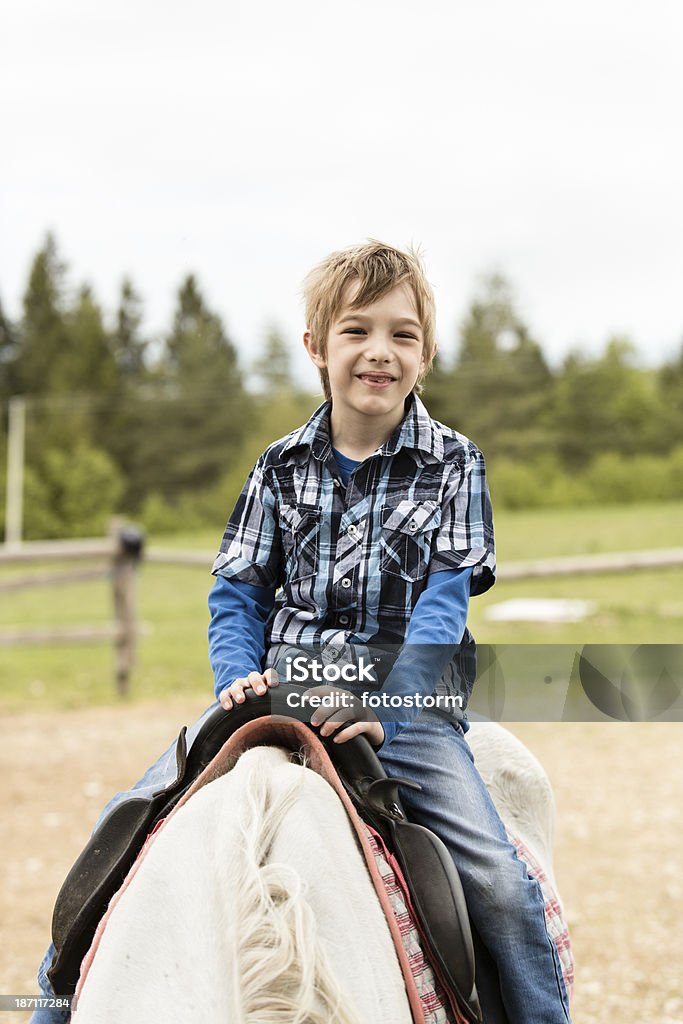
<point x="374" y="354"/>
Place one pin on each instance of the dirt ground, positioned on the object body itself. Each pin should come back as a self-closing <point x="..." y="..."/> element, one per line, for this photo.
<point x="619" y="843"/>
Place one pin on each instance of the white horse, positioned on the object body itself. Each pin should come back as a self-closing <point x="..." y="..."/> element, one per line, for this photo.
<point x="253" y="903"/>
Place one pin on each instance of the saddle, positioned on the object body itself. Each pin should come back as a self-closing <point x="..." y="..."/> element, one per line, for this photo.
<point x="432" y="880"/>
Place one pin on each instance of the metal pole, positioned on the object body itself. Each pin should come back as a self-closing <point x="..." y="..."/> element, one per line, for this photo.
<point x="15" y="471"/>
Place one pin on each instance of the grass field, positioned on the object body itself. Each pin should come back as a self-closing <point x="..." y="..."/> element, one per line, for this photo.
<point x="638" y="607"/>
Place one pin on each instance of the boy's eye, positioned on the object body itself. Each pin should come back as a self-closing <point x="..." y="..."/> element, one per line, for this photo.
<point x="361" y="330"/>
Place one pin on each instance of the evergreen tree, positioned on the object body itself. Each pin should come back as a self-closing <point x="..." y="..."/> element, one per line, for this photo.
<point x="43" y="332"/>
<point x="499" y="387"/>
<point x="88" y="366"/>
<point x="122" y="416"/>
<point x="9" y="354"/>
<point x="127" y="345"/>
<point x="193" y="421"/>
<point x="604" y="405"/>
<point x="273" y="368"/>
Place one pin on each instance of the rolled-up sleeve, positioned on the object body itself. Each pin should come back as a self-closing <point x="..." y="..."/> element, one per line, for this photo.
<point x="251" y="549"/>
<point x="465" y="535"/>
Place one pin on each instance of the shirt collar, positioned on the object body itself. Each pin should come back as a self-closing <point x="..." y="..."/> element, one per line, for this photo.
<point x="416" y="431"/>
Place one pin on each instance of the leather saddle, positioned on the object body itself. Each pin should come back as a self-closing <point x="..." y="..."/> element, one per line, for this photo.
<point x="432" y="880"/>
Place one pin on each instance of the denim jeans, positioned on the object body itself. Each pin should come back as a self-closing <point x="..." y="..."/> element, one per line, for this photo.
<point x="505" y="904"/>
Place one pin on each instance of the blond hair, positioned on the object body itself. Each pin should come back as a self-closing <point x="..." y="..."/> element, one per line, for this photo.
<point x="378" y="268"/>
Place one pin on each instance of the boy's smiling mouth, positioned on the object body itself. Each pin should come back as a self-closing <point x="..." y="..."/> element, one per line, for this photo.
<point x="376" y="380"/>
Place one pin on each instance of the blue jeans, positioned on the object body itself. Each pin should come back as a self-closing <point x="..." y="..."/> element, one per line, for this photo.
<point x="505" y="904"/>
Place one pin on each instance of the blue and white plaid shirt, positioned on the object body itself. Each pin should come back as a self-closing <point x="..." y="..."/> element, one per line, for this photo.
<point x="351" y="562"/>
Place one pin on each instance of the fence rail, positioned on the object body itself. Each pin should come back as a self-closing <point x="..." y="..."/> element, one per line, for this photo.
<point x="577" y="565"/>
<point x="118" y="557"/>
<point x="120" y="554"/>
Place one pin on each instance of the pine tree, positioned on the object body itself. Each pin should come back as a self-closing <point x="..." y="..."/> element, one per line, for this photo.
<point x="9" y="354"/>
<point x="604" y="404"/>
<point x="500" y="385"/>
<point x="88" y="366"/>
<point x="127" y="345"/>
<point x="273" y="368"/>
<point x="192" y="429"/>
<point x="43" y="331"/>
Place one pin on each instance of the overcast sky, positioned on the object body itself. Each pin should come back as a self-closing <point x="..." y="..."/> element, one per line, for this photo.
<point x="245" y="141"/>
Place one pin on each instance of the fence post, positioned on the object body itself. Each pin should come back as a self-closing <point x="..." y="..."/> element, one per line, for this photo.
<point x="129" y="543"/>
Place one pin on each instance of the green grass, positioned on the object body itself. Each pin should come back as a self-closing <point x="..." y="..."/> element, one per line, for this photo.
<point x="544" y="533"/>
<point x="638" y="607"/>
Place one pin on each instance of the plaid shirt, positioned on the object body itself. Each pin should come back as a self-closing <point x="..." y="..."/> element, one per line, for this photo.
<point x="352" y="561"/>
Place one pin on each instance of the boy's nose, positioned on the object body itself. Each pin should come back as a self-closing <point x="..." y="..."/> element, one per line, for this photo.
<point x="379" y="348"/>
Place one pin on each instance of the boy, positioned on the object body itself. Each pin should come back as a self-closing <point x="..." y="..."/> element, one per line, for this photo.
<point x="367" y="529"/>
<point x="375" y="523"/>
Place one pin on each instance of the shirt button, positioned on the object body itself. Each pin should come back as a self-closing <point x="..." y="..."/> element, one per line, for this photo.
<point x="412" y="526"/>
<point x="333" y="654"/>
<point x="353" y="530"/>
<point x="343" y="619"/>
<point x="346" y="583"/>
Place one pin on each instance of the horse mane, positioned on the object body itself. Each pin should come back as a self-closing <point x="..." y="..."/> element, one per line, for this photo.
<point x="285" y="975"/>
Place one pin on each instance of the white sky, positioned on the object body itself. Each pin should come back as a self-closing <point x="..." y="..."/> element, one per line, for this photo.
<point x="245" y="141"/>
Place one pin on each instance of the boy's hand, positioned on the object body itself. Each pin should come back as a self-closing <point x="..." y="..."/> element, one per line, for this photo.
<point x="330" y="719"/>
<point x="256" y="681"/>
<point x="374" y="732"/>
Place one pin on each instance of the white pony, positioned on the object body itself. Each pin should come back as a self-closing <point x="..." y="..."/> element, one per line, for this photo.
<point x="253" y="903"/>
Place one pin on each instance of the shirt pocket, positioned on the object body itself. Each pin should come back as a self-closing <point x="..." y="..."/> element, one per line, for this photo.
<point x="300" y="528"/>
<point x="407" y="531"/>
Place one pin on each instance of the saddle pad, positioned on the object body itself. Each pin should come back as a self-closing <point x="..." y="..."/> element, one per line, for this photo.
<point x="435" y="1003"/>
<point x="555" y="920"/>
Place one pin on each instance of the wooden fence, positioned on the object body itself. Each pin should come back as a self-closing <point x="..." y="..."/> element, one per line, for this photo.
<point x="118" y="557"/>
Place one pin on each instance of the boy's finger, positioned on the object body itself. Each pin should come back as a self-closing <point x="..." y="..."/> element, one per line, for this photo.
<point x="337" y="720"/>
<point x="256" y="681"/>
<point x="271" y="677"/>
<point x="237" y="690"/>
<point x="321" y="715"/>
<point x="351" y="730"/>
<point x="225" y="699"/>
<point x="329" y="727"/>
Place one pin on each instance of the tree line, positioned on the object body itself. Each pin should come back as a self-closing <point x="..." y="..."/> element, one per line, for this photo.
<point x="165" y="429"/>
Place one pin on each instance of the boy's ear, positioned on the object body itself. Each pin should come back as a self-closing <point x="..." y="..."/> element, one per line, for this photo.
<point x="312" y="350"/>
<point x="427" y="364"/>
<point x="424" y="363"/>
